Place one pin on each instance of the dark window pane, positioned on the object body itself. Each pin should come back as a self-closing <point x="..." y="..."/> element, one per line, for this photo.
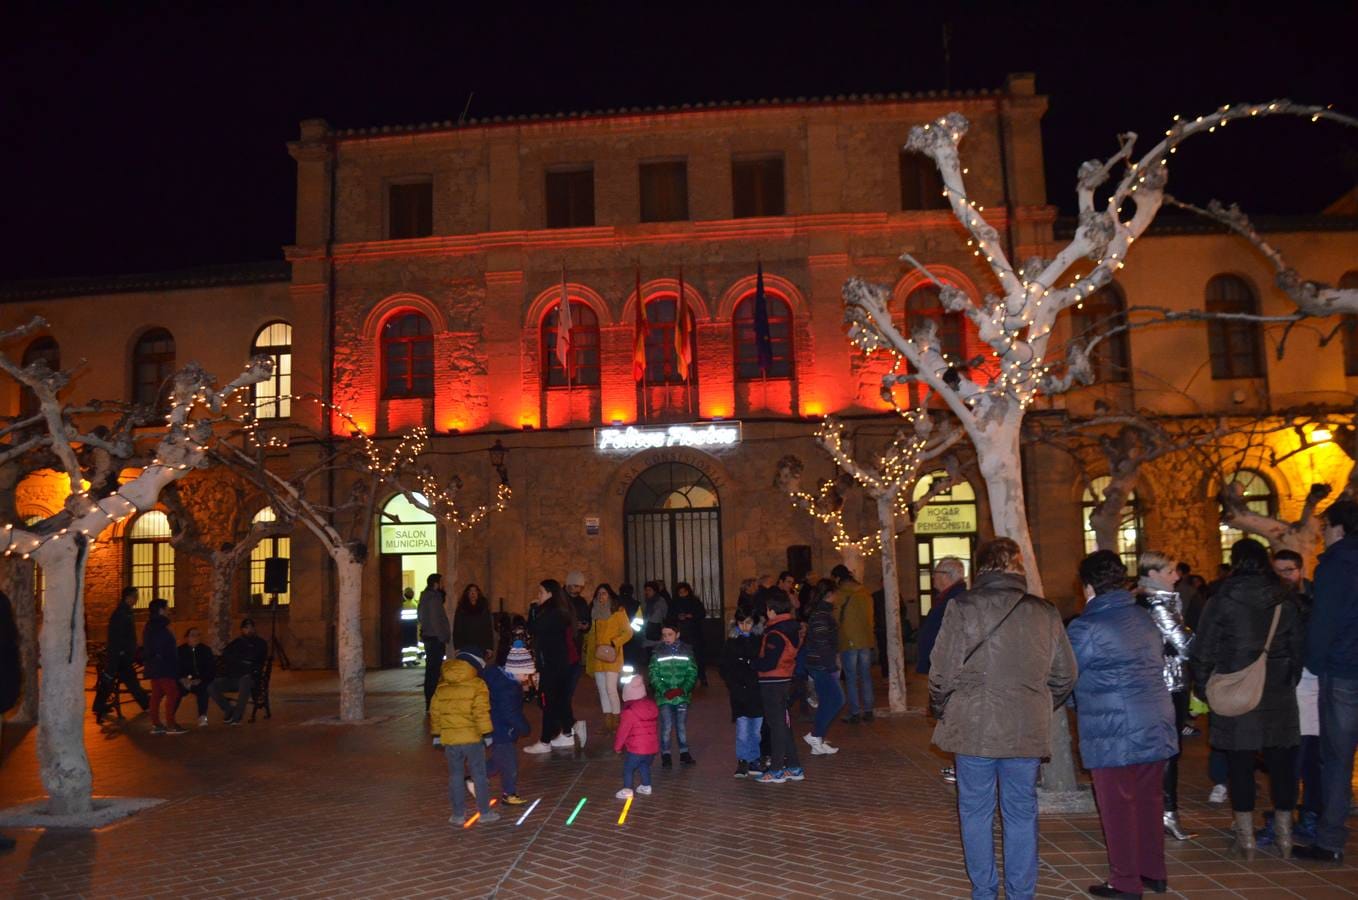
<point x="1236" y="347"/>
<point x="924" y="303"/>
<point x="408" y="356"/>
<point x="1100" y="312"/>
<point x="757" y="187"/>
<point x="584" y="343"/>
<point x="570" y="198"/>
<point x="780" y="340"/>
<point x="921" y="185"/>
<point x="661" y="363"/>
<point x="152" y="366"/>
<point x="410" y="209"/>
<point x="664" y="191"/>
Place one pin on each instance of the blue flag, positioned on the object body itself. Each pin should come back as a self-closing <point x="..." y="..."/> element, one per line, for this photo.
<point x="763" y="341"/>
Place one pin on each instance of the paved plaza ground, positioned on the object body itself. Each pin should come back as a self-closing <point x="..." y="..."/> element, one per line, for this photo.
<point x="293" y="808"/>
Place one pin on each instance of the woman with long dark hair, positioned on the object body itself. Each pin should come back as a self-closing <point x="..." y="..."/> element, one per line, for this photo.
<point x="553" y="627"/>
<point x="473" y="624"/>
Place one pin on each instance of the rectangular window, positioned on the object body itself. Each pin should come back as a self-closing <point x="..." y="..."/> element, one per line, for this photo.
<point x="570" y="197"/>
<point x="410" y="210"/>
<point x="280" y="546"/>
<point x="757" y="187"/>
<point x="921" y="185"/>
<point x="664" y="191"/>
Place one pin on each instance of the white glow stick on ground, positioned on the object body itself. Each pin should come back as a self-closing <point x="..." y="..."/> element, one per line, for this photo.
<point x="527" y="812"/>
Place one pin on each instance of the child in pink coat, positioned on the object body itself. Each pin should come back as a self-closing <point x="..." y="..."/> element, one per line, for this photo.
<point x="638" y="738"/>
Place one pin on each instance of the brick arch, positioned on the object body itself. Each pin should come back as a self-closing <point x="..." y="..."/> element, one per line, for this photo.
<point x="915" y="278"/>
<point x="776" y="284"/>
<point x="666" y="286"/>
<point x="383" y="309"/>
<point x="549" y="297"/>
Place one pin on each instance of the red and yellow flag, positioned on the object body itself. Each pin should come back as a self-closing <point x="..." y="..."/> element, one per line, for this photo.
<point x="639" y="331"/>
<point x="683" y="332"/>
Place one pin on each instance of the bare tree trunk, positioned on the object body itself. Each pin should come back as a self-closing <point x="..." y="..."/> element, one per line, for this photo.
<point x="891" y="593"/>
<point x="62" y="760"/>
<point x="219" y="600"/>
<point x="350" y="635"/>
<point x="19" y="587"/>
<point x="1106" y="518"/>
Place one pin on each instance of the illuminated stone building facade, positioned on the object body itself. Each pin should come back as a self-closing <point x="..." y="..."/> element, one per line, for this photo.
<point x="424" y="285"/>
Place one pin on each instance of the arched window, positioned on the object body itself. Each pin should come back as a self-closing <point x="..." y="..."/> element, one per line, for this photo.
<point x="924" y="303"/>
<point x="278" y="545"/>
<point x="46" y="351"/>
<point x="1237" y="347"/>
<point x="780" y="339"/>
<point x="662" y="366"/>
<point x="273" y="398"/>
<point x="407" y="356"/>
<point x="1101" y="311"/>
<point x="1129" y="529"/>
<point x="1259" y="498"/>
<point x="152" y="368"/>
<point x="584" y="347"/>
<point x="151" y="557"/>
<point x="1349" y="281"/>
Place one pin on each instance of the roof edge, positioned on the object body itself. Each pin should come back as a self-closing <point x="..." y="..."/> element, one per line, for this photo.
<point x="197" y="277"/>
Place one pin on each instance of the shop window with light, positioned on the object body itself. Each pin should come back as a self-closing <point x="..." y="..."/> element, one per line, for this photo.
<point x="945" y="526"/>
<point x="273" y="397"/>
<point x="1349" y="324"/>
<point x="407" y="356"/>
<point x="780" y="339"/>
<point x="410" y="210"/>
<point x="1236" y="347"/>
<point x="1259" y="498"/>
<point x="924" y="302"/>
<point x="1103" y="310"/>
<point x="757" y="187"/>
<point x="664" y="191"/>
<point x="662" y="364"/>
<point x="584" y="347"/>
<point x="45" y="350"/>
<point x="921" y="185"/>
<point x="152" y="368"/>
<point x="150" y="557"/>
<point x="570" y="197"/>
<point x="1129" y="528"/>
<point x="274" y="546"/>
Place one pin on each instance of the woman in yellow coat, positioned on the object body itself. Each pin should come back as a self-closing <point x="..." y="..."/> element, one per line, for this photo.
<point x="609" y="629"/>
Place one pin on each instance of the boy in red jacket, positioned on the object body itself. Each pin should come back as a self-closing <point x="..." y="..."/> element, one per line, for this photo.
<point x="638" y="739"/>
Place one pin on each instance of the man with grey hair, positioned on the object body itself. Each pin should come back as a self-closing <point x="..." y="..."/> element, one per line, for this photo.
<point x="947" y="580"/>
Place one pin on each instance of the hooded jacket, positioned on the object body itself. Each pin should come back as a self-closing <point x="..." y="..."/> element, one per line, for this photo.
<point x="737" y="670"/>
<point x="1126" y="716"/>
<point x="159" y="652"/>
<point x="999" y="704"/>
<point x="615" y="631"/>
<point x="508" y="723"/>
<point x="460" y="710"/>
<point x="853" y="608"/>
<point x="778" y="648"/>
<point x="822" y="638"/>
<point x="637" y="731"/>
<point x="1231" y="635"/>
<point x="122" y="636"/>
<point x="1332" y="636"/>
<point x="672" y="668"/>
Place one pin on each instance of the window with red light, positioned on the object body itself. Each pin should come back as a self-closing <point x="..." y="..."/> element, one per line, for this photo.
<point x="407" y="356"/>
<point x="780" y="339"/>
<point x="662" y="365"/>
<point x="1104" y="309"/>
<point x="47" y="351"/>
<point x="924" y="303"/>
<point x="152" y="368"/>
<point x="1237" y="347"/>
<point x="584" y="346"/>
<point x="1349" y="282"/>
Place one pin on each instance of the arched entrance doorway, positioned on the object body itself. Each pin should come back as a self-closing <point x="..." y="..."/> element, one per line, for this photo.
<point x="946" y="527"/>
<point x="672" y="529"/>
<point x="408" y="541"/>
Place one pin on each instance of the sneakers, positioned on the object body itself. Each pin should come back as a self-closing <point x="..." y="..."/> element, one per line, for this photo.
<point x="756" y="767"/>
<point x="949" y="775"/>
<point x="624" y="794"/>
<point x="1218" y="795"/>
<point x="457" y="821"/>
<point x="564" y="741"/>
<point x="175" y="728"/>
<point x="796" y="773"/>
<point x="202" y="721"/>
<point x="644" y="790"/>
<point x="157" y="729"/>
<point x="1190" y="731"/>
<point x="539" y="747"/>
<point x="819" y="747"/>
<point x="512" y="800"/>
<point x="666" y="762"/>
<point x="773" y="776"/>
<point x="742" y="769"/>
<point x="687" y="758"/>
<point x="580" y="732"/>
<point x="489" y="816"/>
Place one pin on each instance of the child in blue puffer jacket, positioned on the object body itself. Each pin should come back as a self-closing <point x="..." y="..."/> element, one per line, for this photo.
<point x="507" y="684"/>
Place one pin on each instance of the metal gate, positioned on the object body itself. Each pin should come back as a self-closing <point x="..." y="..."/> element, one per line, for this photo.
<point x="672" y="532"/>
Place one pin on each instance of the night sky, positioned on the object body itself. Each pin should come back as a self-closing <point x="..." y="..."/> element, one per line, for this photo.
<point x="140" y="137"/>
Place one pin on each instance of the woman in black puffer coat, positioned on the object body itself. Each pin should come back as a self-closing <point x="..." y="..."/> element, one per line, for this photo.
<point x="821" y="657"/>
<point x="1231" y="635"/>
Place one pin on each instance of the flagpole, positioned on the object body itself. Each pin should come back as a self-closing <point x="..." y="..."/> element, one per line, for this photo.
<point x="570" y="352"/>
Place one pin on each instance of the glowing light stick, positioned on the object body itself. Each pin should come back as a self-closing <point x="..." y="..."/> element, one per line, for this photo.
<point x="472" y="821"/>
<point x="528" y="812"/>
<point x="578" y="807"/>
<point x="625" y="807"/>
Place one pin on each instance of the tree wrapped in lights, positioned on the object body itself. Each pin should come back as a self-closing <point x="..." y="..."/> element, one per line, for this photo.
<point x="343" y="527"/>
<point x="888" y="482"/>
<point x="90" y="459"/>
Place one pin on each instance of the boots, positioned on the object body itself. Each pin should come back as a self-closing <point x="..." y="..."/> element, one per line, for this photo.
<point x="1244" y="835"/>
<point x="610" y="723"/>
<point x="1282" y="832"/>
<point x="1174" y="829"/>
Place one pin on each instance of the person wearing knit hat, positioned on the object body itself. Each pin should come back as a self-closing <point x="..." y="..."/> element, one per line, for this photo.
<point x="520" y="662"/>
<point x="638" y="738"/>
<point x="635" y="689"/>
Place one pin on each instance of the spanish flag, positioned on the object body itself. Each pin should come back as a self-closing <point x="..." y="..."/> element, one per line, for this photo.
<point x="683" y="333"/>
<point x="639" y="331"/>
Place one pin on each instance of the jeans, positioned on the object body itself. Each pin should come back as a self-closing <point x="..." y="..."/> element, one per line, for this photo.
<point x="434" y="650"/>
<point x="1308" y="770"/>
<point x="243" y="686"/>
<point x="128" y="676"/>
<point x="782" y="748"/>
<point x="504" y="762"/>
<point x="463" y="757"/>
<point x="633" y="763"/>
<point x="607" y="683"/>
<point x="1338" y="741"/>
<point x="674" y="717"/>
<point x="858" y="677"/>
<point x="166" y="688"/>
<point x="1281" y="763"/>
<point x="977" y="777"/>
<point x="1131" y="812"/>
<point x="831" y="700"/>
<point x="747" y="737"/>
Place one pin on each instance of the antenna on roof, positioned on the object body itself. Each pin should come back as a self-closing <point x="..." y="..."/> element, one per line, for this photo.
<point x="463" y="118"/>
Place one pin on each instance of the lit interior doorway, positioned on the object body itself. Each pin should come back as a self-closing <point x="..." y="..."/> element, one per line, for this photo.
<point x="408" y="539"/>
<point x="946" y="527"/>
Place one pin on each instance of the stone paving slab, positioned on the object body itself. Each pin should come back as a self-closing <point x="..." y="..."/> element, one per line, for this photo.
<point x="295" y="808"/>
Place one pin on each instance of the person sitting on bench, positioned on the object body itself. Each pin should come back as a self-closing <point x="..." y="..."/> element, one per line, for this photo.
<point x="196" y="670"/>
<point x="242" y="667"/>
